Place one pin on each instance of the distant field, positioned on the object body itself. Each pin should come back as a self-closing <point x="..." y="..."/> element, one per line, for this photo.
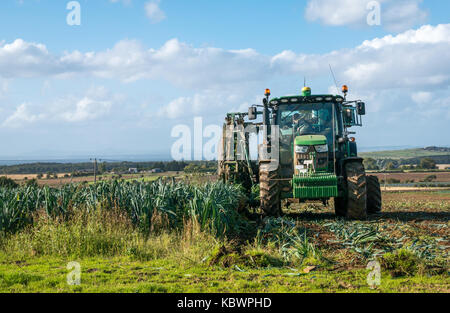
<point x="417" y="177"/>
<point x="402" y="154"/>
<point x="61" y="180"/>
<point x="442" y="177"/>
<point x="414" y="189"/>
<point x="22" y="176"/>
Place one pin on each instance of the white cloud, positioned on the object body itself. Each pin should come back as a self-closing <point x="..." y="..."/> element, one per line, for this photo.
<point x="336" y="13"/>
<point x="403" y="14"/>
<point x="413" y="59"/>
<point x="176" y="62"/>
<point x="96" y="103"/>
<point x="379" y="71"/>
<point x="24" y="59"/>
<point x="87" y="109"/>
<point x="154" y="12"/>
<point x="427" y="34"/>
<point x="175" y="108"/>
<point x="417" y="58"/>
<point x="205" y="103"/>
<point x="22" y="116"/>
<point x="422" y="97"/>
<point x="396" y="15"/>
<point x="429" y="108"/>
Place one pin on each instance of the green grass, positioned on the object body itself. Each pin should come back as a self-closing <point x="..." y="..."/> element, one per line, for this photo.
<point x="116" y="257"/>
<point x="121" y="274"/>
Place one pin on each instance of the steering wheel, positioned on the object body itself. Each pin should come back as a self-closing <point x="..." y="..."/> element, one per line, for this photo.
<point x="305" y="129"/>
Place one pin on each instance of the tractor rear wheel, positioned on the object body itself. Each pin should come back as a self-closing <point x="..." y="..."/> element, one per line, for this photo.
<point x="354" y="204"/>
<point x="269" y="190"/>
<point x="373" y="195"/>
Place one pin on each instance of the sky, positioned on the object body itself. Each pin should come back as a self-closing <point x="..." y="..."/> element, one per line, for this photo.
<point x="121" y="81"/>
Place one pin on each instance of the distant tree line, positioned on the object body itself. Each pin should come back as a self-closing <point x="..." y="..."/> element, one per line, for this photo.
<point x="438" y="149"/>
<point x="201" y="167"/>
<point x="84" y="169"/>
<point x="426" y="163"/>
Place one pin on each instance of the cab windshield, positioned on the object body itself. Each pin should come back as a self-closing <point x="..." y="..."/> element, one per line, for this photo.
<point x="307" y="119"/>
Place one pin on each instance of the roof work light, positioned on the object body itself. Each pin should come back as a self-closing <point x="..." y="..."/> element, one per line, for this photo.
<point x="345" y="89"/>
<point x="306" y="91"/>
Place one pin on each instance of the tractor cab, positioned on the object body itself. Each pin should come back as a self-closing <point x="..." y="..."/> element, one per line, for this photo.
<point x="308" y="125"/>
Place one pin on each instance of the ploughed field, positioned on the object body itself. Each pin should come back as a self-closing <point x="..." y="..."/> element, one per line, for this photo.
<point x="415" y="177"/>
<point x="166" y="237"/>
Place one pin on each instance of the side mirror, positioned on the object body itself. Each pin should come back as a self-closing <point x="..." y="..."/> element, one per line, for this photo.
<point x="361" y="108"/>
<point x="252" y="113"/>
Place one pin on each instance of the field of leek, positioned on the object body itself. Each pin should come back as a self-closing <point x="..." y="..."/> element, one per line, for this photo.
<point x="147" y="205"/>
<point x="176" y="237"/>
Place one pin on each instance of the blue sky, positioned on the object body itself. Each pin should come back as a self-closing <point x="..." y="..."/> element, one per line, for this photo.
<point x="117" y="84"/>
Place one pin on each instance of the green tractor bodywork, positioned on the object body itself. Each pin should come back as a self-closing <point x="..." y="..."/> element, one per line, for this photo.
<point x="313" y="157"/>
<point x="312" y="181"/>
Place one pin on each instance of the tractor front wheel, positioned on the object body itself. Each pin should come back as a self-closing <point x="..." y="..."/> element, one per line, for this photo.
<point x="354" y="204"/>
<point x="269" y="190"/>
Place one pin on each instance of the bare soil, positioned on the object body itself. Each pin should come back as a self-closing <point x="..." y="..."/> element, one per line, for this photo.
<point x="417" y="177"/>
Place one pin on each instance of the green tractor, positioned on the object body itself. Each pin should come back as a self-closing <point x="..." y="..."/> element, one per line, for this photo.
<point x="306" y="154"/>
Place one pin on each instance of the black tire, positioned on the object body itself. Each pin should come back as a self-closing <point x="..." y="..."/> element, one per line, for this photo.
<point x="354" y="204"/>
<point x="340" y="207"/>
<point x="269" y="190"/>
<point x="374" y="200"/>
